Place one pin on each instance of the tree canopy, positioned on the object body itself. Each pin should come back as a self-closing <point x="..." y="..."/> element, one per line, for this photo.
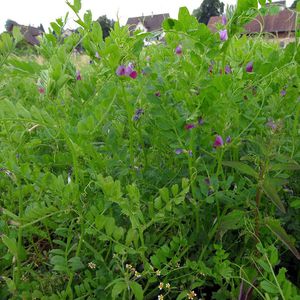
<point x="294" y="5"/>
<point x="207" y="9"/>
<point x="106" y="25"/>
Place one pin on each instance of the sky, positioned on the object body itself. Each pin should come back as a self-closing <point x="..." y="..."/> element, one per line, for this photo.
<point x="35" y="12"/>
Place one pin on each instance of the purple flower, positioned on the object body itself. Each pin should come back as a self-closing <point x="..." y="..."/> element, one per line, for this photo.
<point x="157" y="94"/>
<point x="126" y="71"/>
<point x="190" y="153"/>
<point x="121" y="70"/>
<point x="271" y="124"/>
<point x="189" y="126"/>
<point x="78" y="76"/>
<point x="249" y="67"/>
<point x="207" y="181"/>
<point x="179" y="151"/>
<point x="218" y="142"/>
<point x="228" y="140"/>
<point x="178" y="50"/>
<point x="227" y="69"/>
<point x="283" y="93"/>
<point x="41" y="90"/>
<point x="224" y="20"/>
<point x="97" y="55"/>
<point x="133" y="74"/>
<point x="138" y="114"/>
<point x="223" y="35"/>
<point x="200" y="121"/>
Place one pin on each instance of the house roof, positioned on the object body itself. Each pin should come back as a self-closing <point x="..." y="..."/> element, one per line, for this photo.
<point x="30" y="33"/>
<point x="151" y="23"/>
<point x="284" y="21"/>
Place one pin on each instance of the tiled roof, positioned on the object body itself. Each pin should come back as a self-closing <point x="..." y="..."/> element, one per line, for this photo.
<point x="151" y="23"/>
<point x="284" y="21"/>
<point x="30" y="33"/>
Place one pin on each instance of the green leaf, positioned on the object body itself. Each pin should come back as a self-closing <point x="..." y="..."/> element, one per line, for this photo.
<point x="272" y="194"/>
<point x="168" y="24"/>
<point x="137" y="290"/>
<point x="11" y="244"/>
<point x="296" y="203"/>
<point x="77" y="5"/>
<point x="269" y="287"/>
<point x="241" y="167"/>
<point x="182" y="295"/>
<point x="18" y="36"/>
<point x="288" y="166"/>
<point x="244" y="5"/>
<point x="281" y="234"/>
<point x="56" y="28"/>
<point x="75" y="263"/>
<point x="118" y="288"/>
<point x="232" y="221"/>
<point x="262" y="2"/>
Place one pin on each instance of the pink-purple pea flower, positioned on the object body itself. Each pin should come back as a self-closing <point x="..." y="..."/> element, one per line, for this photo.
<point x="224" y="20"/>
<point x="157" y="94"/>
<point x="127" y="71"/>
<point x="78" y="75"/>
<point x="178" y="50"/>
<point x="223" y="35"/>
<point x="120" y="70"/>
<point x="227" y="69"/>
<point x="189" y="126"/>
<point x="200" y="121"/>
<point x="41" y="90"/>
<point x="271" y="124"/>
<point x="138" y="113"/>
<point x="228" y="140"/>
<point x="249" y="67"/>
<point x="283" y="93"/>
<point x="179" y="151"/>
<point x="218" y="142"/>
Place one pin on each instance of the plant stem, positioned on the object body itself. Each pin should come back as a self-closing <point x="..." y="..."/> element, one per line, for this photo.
<point x="131" y="130"/>
<point x="20" y="234"/>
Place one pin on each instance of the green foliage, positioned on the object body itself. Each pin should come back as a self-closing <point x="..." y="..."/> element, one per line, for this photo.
<point x="207" y="9"/>
<point x="106" y="25"/>
<point x="114" y="187"/>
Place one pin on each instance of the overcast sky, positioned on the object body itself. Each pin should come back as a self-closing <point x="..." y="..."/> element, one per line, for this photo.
<point x="34" y="12"/>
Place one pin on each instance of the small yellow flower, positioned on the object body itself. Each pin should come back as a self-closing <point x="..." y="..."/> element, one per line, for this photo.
<point x="160" y="297"/>
<point x="129" y="267"/>
<point x="157" y="273"/>
<point x="168" y="285"/>
<point x="191" y="295"/>
<point x="92" y="265"/>
<point x="161" y="286"/>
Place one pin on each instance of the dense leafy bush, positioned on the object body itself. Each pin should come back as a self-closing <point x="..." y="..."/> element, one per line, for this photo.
<point x="160" y="172"/>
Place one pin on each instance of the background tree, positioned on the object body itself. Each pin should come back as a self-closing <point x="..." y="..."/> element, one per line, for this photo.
<point x="294" y="5"/>
<point x="207" y="9"/>
<point x="106" y="25"/>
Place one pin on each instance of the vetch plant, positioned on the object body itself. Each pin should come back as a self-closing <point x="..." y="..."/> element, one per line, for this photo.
<point x="182" y="183"/>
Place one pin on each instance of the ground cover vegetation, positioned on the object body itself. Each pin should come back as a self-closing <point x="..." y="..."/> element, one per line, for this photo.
<point x="162" y="172"/>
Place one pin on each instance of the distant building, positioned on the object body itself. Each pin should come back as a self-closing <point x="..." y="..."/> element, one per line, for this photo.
<point x="152" y="23"/>
<point x="281" y="26"/>
<point x="30" y="33"/>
